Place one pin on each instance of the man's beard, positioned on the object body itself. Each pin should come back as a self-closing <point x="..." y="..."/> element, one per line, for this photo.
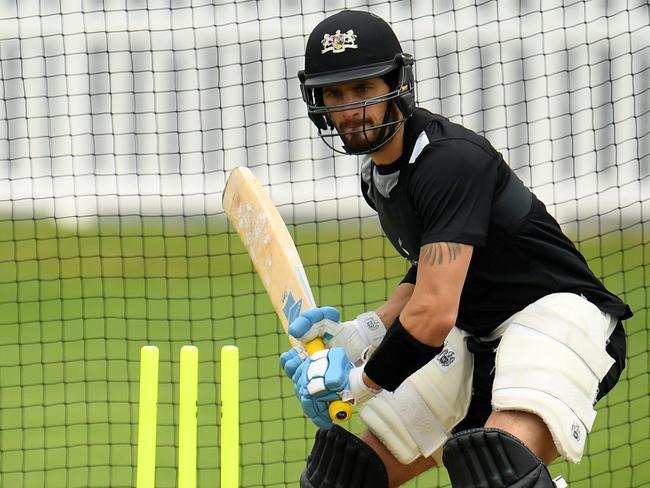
<point x="363" y="139"/>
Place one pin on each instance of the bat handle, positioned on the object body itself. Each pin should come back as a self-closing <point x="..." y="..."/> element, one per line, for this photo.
<point x="315" y="345"/>
<point x="339" y="410"/>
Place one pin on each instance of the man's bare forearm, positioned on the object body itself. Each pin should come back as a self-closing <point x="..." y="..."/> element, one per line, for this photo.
<point x="389" y="312"/>
<point x="391" y="309"/>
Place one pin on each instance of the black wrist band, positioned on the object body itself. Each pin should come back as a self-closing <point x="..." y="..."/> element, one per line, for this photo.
<point x="398" y="356"/>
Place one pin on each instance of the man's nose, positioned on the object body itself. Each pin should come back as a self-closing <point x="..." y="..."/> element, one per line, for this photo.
<point x="355" y="112"/>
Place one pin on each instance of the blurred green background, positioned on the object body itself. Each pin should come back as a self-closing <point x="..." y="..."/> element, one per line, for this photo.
<point x="78" y="301"/>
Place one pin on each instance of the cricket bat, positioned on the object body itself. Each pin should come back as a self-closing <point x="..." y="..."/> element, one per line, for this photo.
<point x="273" y="252"/>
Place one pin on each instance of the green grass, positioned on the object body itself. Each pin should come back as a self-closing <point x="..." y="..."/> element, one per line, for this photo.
<point x="76" y="305"/>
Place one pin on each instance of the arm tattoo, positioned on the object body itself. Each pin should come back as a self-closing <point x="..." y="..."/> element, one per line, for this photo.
<point x="439" y="252"/>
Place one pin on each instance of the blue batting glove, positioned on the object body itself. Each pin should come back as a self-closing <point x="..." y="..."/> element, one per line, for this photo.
<point x="290" y="360"/>
<point x="311" y="318"/>
<point x="320" y="380"/>
<point x="359" y="337"/>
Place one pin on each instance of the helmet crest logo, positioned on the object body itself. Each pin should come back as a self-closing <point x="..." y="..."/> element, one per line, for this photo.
<point x="339" y="42"/>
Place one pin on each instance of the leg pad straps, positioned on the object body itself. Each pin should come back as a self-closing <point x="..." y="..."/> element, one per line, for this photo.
<point x="340" y="459"/>
<point x="491" y="458"/>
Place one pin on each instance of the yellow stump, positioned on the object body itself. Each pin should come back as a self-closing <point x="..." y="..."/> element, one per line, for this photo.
<point x="147" y="416"/>
<point x="229" y="417"/>
<point x="187" y="423"/>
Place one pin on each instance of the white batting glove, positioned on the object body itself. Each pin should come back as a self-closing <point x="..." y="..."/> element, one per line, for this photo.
<point x="359" y="337"/>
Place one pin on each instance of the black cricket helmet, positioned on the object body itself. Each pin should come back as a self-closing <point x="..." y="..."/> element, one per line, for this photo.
<point x="352" y="46"/>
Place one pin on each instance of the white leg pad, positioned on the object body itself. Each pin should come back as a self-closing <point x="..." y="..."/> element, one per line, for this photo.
<point x="416" y="420"/>
<point x="550" y="361"/>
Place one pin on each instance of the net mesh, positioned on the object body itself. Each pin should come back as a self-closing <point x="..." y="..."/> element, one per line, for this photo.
<point x="119" y="121"/>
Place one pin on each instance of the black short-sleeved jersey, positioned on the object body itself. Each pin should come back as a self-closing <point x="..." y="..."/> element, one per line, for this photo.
<point x="451" y="185"/>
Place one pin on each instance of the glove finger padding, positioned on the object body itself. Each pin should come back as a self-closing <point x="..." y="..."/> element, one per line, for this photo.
<point x="316" y="322"/>
<point x="317" y="408"/>
<point x="338" y="369"/>
<point x="327" y="371"/>
<point x="290" y="360"/>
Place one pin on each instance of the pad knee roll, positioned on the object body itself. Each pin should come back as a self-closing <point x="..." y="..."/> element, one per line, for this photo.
<point x="491" y="458"/>
<point x="340" y="459"/>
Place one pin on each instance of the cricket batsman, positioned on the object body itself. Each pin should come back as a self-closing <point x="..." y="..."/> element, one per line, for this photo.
<point x="490" y="355"/>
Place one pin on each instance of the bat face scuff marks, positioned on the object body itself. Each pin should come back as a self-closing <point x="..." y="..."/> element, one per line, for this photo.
<point x="252" y="227"/>
<point x="252" y="224"/>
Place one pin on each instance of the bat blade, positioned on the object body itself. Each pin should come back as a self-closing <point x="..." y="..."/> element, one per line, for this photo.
<point x="270" y="246"/>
